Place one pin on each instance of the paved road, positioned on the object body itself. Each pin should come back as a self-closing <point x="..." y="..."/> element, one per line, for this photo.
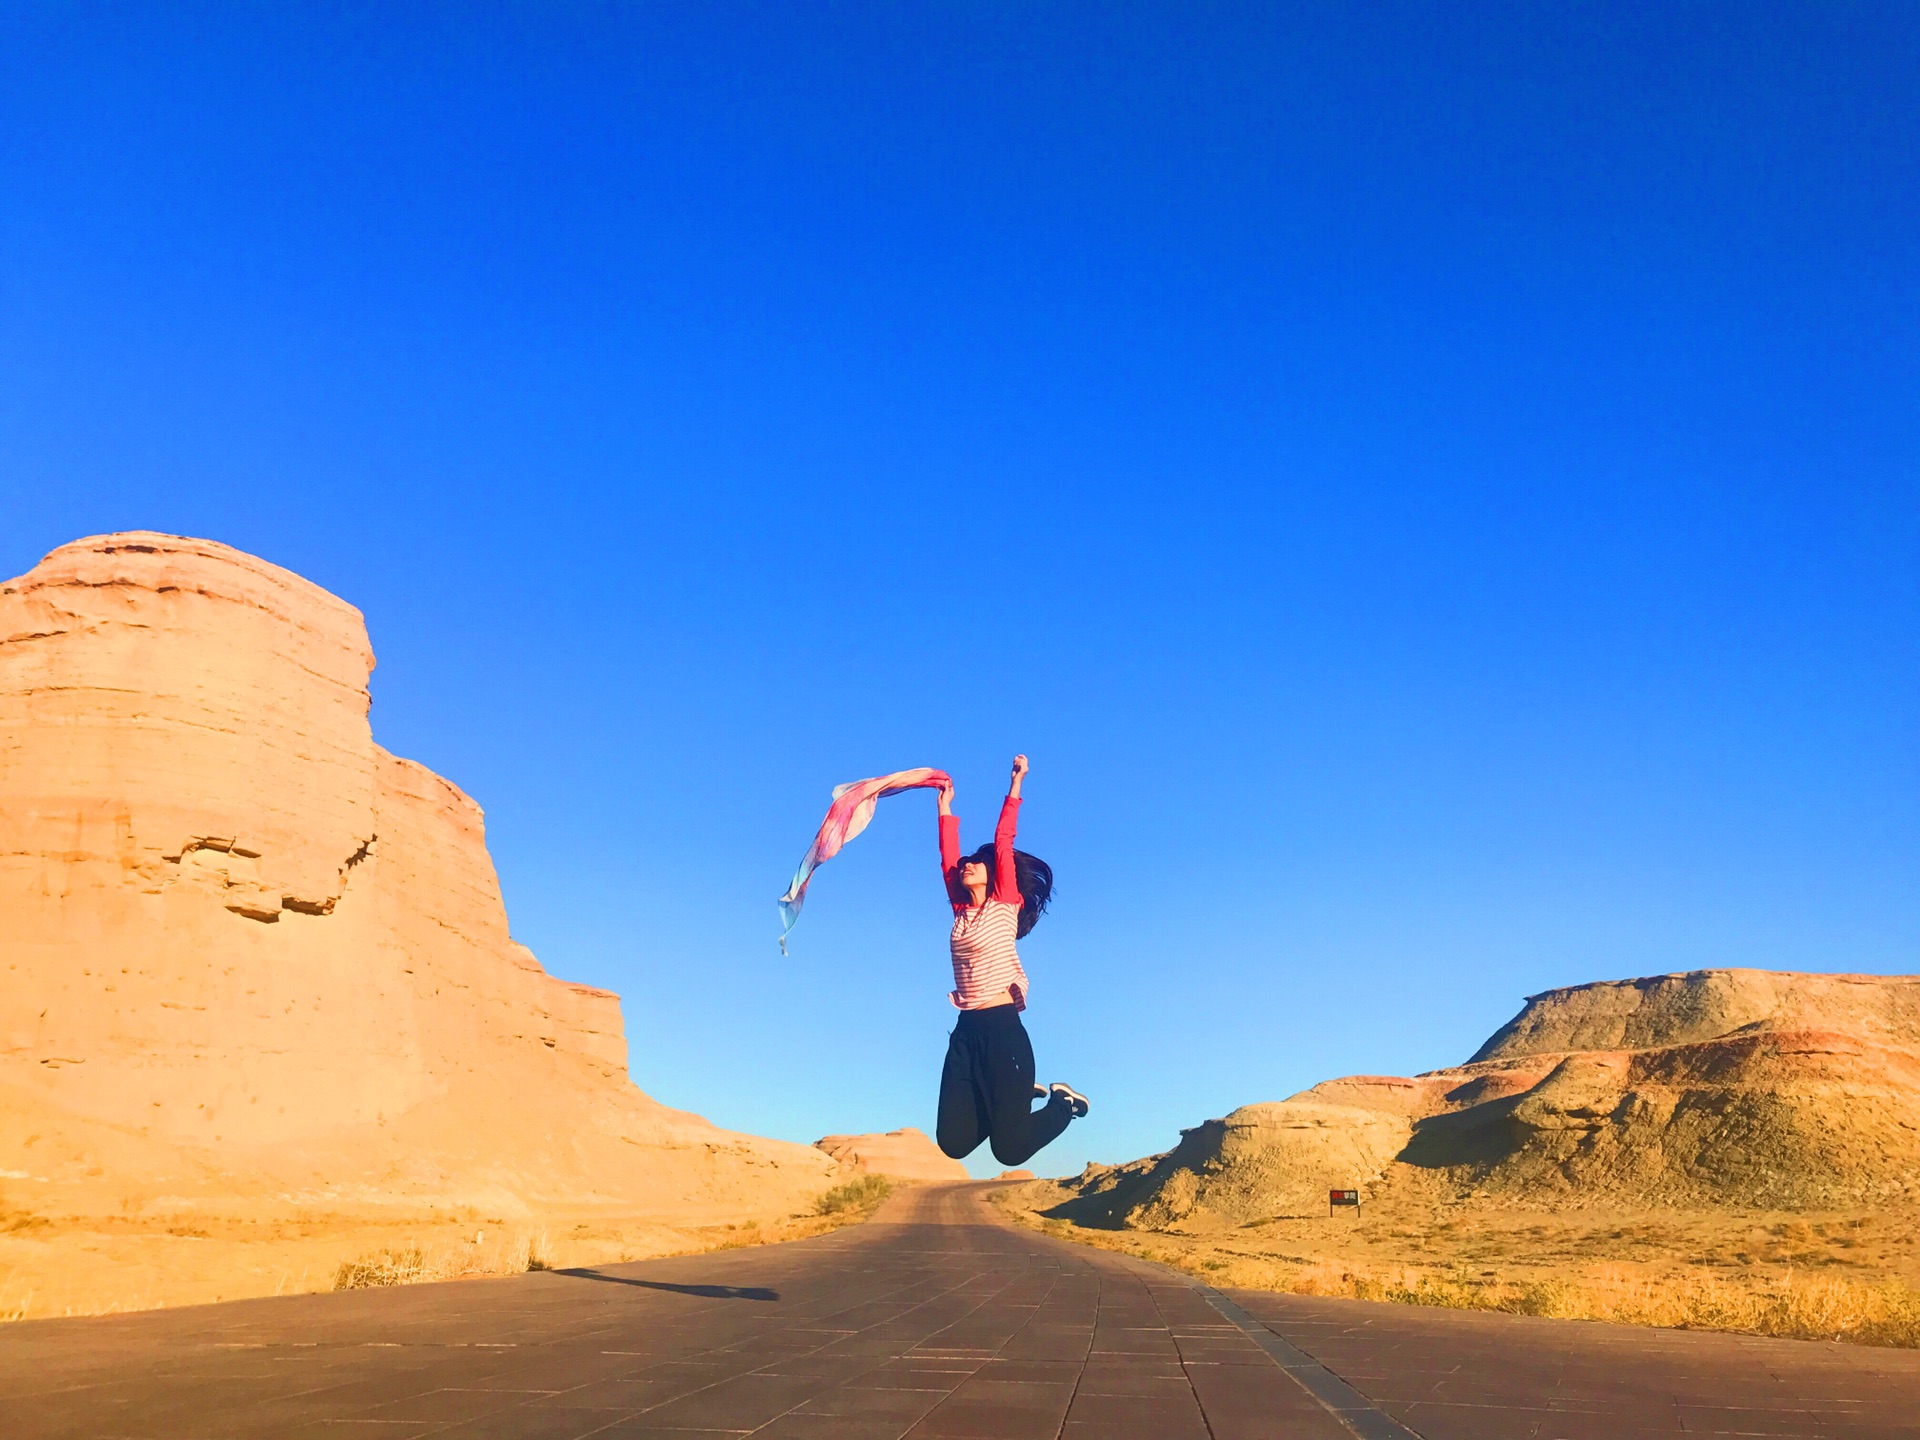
<point x="930" y="1321"/>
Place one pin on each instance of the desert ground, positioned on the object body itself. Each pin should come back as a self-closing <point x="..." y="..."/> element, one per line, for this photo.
<point x="935" y="1320"/>
<point x="105" y="1265"/>
<point x="1844" y="1274"/>
<point x="1731" y="1149"/>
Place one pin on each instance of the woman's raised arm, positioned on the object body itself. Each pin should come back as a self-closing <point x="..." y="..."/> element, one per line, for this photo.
<point x="1006" y="879"/>
<point x="949" y="842"/>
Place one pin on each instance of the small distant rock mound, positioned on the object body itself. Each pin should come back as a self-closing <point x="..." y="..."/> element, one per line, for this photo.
<point x="906" y="1154"/>
<point x="1714" y="1088"/>
<point x="1014" y="1175"/>
<point x="256" y="961"/>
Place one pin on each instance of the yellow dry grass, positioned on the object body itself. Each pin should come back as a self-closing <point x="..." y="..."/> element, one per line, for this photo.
<point x="862" y="1194"/>
<point x="1869" y="1309"/>
<point x="510" y="1253"/>
<point x="514" y="1252"/>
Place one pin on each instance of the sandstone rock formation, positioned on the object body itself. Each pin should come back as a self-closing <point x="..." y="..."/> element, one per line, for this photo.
<point x="1714" y="1088"/>
<point x="906" y="1154"/>
<point x="251" y="957"/>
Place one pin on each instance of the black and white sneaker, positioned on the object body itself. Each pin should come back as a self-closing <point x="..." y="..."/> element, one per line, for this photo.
<point x="1073" y="1097"/>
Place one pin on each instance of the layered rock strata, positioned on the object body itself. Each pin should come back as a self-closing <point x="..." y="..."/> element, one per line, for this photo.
<point x="1715" y="1088"/>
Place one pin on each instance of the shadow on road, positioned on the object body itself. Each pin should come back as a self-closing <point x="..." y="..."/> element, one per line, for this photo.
<point x="707" y="1292"/>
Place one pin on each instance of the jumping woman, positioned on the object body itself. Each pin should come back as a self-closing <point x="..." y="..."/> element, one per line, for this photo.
<point x="986" y="1087"/>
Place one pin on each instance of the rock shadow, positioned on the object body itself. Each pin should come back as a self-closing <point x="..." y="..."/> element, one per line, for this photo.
<point x="1482" y="1136"/>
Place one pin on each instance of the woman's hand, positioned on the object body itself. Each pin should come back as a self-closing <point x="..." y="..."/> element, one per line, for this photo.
<point x="1019" y="774"/>
<point x="946" y="799"/>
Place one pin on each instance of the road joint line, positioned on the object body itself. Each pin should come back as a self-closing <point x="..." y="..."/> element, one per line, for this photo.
<point x="1346" y="1404"/>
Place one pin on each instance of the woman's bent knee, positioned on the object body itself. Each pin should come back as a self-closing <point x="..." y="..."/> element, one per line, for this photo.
<point x="1011" y="1156"/>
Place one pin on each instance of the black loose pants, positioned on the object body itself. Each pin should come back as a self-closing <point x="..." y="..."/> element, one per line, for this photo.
<point x="986" y="1090"/>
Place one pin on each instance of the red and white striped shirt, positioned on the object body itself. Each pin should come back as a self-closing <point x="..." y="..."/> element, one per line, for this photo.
<point x="986" y="967"/>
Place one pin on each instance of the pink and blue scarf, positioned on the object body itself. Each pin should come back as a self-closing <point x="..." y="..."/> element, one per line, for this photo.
<point x="852" y="808"/>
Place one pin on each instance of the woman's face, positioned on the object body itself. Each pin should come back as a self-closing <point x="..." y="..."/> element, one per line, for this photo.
<point x="973" y="873"/>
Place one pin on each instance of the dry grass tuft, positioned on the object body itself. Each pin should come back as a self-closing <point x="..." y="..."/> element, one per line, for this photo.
<point x="14" y="1308"/>
<point x="539" y="1255"/>
<point x="863" y="1193"/>
<point x="508" y="1253"/>
<point x="383" y="1267"/>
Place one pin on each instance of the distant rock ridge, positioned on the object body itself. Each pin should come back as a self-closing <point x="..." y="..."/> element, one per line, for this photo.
<point x="907" y="1154"/>
<point x="249" y="952"/>
<point x="1710" y="1088"/>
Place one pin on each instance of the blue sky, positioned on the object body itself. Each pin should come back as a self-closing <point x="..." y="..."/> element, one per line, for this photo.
<point x="1434" y="489"/>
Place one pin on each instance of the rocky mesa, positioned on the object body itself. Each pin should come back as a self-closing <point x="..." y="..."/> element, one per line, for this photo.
<point x="254" y="962"/>
<point x="1705" y="1090"/>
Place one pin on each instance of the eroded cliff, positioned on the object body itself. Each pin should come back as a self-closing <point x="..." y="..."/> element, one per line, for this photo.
<point x="252" y="958"/>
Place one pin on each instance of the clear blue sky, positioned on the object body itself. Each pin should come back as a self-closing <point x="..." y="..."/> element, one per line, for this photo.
<point x="1433" y="488"/>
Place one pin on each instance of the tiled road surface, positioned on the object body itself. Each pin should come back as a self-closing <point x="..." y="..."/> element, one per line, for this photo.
<point x="930" y="1321"/>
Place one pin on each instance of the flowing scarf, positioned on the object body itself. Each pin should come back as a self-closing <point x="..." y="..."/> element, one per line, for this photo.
<point x="852" y="808"/>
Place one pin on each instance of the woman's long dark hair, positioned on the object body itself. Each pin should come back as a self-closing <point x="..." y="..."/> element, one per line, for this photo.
<point x="1034" y="877"/>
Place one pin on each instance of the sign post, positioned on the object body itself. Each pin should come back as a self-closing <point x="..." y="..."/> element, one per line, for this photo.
<point x="1342" y="1197"/>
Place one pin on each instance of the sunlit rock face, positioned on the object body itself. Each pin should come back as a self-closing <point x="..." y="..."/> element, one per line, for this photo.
<point x="249" y="942"/>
